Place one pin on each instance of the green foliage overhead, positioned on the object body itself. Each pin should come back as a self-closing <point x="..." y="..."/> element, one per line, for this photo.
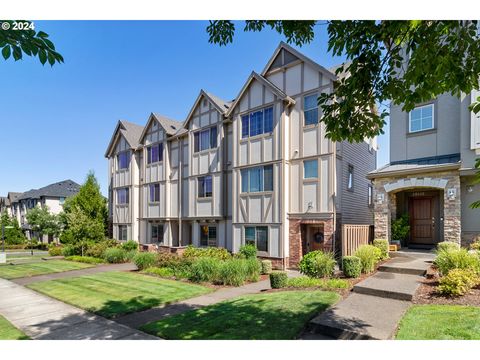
<point x="16" y="43"/>
<point x="405" y="62"/>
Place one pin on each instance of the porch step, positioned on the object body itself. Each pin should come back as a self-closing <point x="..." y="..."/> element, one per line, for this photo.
<point x="389" y="285"/>
<point x="360" y="317"/>
<point x="406" y="265"/>
<point x="426" y="255"/>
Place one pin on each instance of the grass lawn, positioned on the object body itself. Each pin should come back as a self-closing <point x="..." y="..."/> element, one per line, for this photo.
<point x="116" y="293"/>
<point x="39" y="268"/>
<point x="276" y="316"/>
<point x="440" y="322"/>
<point x="10" y="332"/>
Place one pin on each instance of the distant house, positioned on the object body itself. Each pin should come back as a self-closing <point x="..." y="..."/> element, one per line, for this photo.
<point x="255" y="170"/>
<point x="52" y="195"/>
<point x="6" y="202"/>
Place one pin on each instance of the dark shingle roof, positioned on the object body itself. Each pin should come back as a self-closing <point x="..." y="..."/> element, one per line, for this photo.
<point x="171" y="126"/>
<point x="222" y="104"/>
<point x="131" y="133"/>
<point x="63" y="188"/>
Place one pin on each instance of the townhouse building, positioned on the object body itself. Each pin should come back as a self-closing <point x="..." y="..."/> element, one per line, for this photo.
<point x="257" y="169"/>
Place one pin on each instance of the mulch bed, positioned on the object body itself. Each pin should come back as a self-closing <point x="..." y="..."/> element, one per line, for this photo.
<point x="427" y="294"/>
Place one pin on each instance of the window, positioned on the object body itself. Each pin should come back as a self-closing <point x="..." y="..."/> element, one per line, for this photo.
<point x="258" y="236"/>
<point x="205" y="186"/>
<point x="257" y="179"/>
<point x="421" y="118"/>
<point x="122" y="232"/>
<point x="122" y="196"/>
<point x="123" y="159"/>
<point x="310" y="109"/>
<point x="258" y="122"/>
<point x="155" y="153"/>
<point x="370" y="195"/>
<point x="310" y="169"/>
<point x="154" y="193"/>
<point x="205" y="139"/>
<point x="61" y="200"/>
<point x="208" y="235"/>
<point x="156" y="233"/>
<point x="350" y="178"/>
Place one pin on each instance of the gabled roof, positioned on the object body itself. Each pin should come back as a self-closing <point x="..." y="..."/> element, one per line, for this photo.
<point x="286" y="47"/>
<point x="13" y="196"/>
<point x="170" y="126"/>
<point x="254" y="76"/>
<point x="130" y="131"/>
<point x="221" y="105"/>
<point x="63" y="188"/>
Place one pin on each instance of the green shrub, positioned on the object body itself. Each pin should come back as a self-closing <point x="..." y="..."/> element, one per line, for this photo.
<point x="68" y="250"/>
<point x="457" y="282"/>
<point x="253" y="267"/>
<point x="352" y="266"/>
<point x="55" y="250"/>
<point x="211" y="252"/>
<point x="233" y="272"/>
<point x="475" y="246"/>
<point x="318" y="264"/>
<point x="130" y="255"/>
<point x="164" y="272"/>
<point x="97" y="249"/>
<point x="248" y="251"/>
<point x="144" y="260"/>
<point x="130" y="245"/>
<point x="278" y="279"/>
<point x="266" y="267"/>
<point x="448" y="260"/>
<point x="400" y="228"/>
<point x="383" y="245"/>
<point x="308" y="282"/>
<point x="369" y="256"/>
<point x="115" y="255"/>
<point x="205" y="269"/>
<point x="447" y="245"/>
<point x="85" y="259"/>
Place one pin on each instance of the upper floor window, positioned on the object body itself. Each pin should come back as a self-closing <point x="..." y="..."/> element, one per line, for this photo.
<point x="257" y="179"/>
<point x="123" y="159"/>
<point x="310" y="109"/>
<point x="205" y="139"/>
<point x="154" y="193"/>
<point x="208" y="235"/>
<point x="123" y="196"/>
<point x="310" y="169"/>
<point x="421" y="118"/>
<point x="257" y="122"/>
<point x="350" y="178"/>
<point x="258" y="236"/>
<point x="205" y="186"/>
<point x="155" y="153"/>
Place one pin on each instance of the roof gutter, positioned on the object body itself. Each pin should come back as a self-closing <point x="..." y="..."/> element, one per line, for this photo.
<point x="423" y="170"/>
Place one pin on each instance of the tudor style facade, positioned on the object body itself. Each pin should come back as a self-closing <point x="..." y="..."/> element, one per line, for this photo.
<point x="257" y="169"/>
<point x="430" y="176"/>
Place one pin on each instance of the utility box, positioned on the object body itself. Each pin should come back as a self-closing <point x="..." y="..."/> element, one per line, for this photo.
<point x="3" y="258"/>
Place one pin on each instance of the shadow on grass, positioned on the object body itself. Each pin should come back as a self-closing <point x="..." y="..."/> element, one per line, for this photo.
<point x="113" y="308"/>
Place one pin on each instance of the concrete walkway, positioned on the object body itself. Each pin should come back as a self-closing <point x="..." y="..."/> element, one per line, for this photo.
<point x="377" y="303"/>
<point x="135" y="320"/>
<point x="41" y="317"/>
<point x="74" y="273"/>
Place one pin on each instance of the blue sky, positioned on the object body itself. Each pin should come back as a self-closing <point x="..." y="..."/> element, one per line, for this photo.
<point x="56" y="122"/>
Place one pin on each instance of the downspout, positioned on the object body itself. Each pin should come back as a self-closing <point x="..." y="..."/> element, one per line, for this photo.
<point x="334" y="196"/>
<point x="180" y="181"/>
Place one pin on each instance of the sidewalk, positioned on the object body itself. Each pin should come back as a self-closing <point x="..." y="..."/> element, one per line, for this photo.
<point x="44" y="318"/>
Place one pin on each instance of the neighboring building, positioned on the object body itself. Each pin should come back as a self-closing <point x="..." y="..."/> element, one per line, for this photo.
<point x="52" y="195"/>
<point x="257" y="169"/>
<point x="6" y="203"/>
<point x="432" y="155"/>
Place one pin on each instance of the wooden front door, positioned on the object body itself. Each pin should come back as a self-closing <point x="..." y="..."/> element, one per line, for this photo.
<point x="422" y="221"/>
<point x="315" y="238"/>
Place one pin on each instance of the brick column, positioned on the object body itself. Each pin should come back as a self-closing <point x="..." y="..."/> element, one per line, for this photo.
<point x="294" y="242"/>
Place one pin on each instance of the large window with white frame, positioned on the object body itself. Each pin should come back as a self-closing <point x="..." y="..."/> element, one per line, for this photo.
<point x="154" y="193"/>
<point x="310" y="109"/>
<point x="208" y="235"/>
<point x="123" y="196"/>
<point x="205" y="186"/>
<point x="123" y="160"/>
<point x="421" y="118"/>
<point x="257" y="179"/>
<point x="258" y="236"/>
<point x="155" y="153"/>
<point x="205" y="139"/>
<point x="310" y="169"/>
<point x="257" y="122"/>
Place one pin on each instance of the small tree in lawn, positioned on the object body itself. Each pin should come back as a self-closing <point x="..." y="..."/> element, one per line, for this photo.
<point x="43" y="222"/>
<point x="81" y="228"/>
<point x="13" y="236"/>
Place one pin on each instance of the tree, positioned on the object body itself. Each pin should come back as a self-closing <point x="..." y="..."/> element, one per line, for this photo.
<point x="81" y="228"/>
<point x="405" y="62"/>
<point x="13" y="236"/>
<point x="18" y="37"/>
<point x="43" y="222"/>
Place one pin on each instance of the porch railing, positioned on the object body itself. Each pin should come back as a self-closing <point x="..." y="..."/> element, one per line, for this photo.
<point x="353" y="236"/>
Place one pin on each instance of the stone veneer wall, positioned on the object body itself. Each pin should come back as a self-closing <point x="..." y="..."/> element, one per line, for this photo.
<point x="386" y="211"/>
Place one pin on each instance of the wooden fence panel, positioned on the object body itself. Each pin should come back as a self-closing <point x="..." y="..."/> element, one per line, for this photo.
<point x="353" y="236"/>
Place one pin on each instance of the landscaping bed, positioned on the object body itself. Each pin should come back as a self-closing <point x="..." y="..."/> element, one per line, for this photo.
<point x="10" y="332"/>
<point x="269" y="316"/>
<point x="117" y="293"/>
<point x="42" y="267"/>
<point x="440" y="322"/>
